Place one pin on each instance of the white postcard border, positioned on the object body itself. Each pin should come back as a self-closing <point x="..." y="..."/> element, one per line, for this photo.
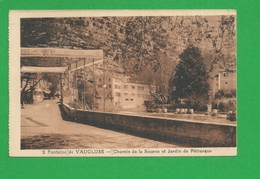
<point x="14" y="94"/>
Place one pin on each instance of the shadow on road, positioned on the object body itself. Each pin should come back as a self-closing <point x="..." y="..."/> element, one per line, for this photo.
<point x="50" y="141"/>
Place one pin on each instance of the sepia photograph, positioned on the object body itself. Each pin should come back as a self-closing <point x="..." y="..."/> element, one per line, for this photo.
<point x="123" y="83"/>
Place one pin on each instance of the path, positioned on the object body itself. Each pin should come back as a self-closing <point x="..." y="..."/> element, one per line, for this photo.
<point x="43" y="128"/>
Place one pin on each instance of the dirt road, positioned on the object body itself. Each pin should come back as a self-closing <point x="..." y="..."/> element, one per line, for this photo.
<point x="42" y="127"/>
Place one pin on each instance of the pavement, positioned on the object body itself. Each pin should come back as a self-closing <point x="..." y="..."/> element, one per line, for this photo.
<point x="42" y="127"/>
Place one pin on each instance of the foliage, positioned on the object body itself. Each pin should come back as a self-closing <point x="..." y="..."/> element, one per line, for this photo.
<point x="172" y="107"/>
<point x="224" y="43"/>
<point x="146" y="47"/>
<point x="54" y="80"/>
<point x="229" y="106"/>
<point x="32" y="80"/>
<point x="223" y="107"/>
<point x="136" y="41"/>
<point x="232" y="117"/>
<point x="225" y="94"/>
<point x="89" y="101"/>
<point x="190" y="81"/>
<point x="29" y="79"/>
<point x="219" y="94"/>
<point x="198" y="103"/>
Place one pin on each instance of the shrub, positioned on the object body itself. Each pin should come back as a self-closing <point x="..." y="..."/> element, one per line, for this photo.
<point x="232" y="105"/>
<point x="174" y="106"/>
<point x="197" y="103"/>
<point x="223" y="107"/>
<point x="227" y="94"/>
<point x="220" y="94"/>
<point x="202" y="108"/>
<point x="232" y="117"/>
<point x="74" y="105"/>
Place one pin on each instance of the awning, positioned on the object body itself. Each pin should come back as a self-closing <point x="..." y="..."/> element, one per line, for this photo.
<point x="30" y="69"/>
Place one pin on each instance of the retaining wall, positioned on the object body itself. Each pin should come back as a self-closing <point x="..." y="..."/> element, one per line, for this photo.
<point x="188" y="133"/>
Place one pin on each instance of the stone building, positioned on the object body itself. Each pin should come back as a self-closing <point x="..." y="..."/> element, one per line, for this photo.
<point x="114" y="93"/>
<point x="134" y="95"/>
<point x="225" y="80"/>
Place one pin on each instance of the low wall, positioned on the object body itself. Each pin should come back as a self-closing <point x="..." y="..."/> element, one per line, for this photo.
<point x="189" y="133"/>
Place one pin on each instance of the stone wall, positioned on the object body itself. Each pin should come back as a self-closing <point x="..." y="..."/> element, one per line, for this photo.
<point x="187" y="133"/>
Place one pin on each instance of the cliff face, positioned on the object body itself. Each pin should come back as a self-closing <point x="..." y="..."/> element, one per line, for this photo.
<point x="137" y="47"/>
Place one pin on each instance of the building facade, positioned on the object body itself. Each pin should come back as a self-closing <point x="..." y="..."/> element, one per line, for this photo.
<point x="134" y="95"/>
<point x="225" y="80"/>
<point x="113" y="93"/>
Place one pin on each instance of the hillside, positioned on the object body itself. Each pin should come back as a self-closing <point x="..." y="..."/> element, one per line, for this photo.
<point x="139" y="47"/>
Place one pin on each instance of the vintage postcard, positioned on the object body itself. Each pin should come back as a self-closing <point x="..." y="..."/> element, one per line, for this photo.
<point x="122" y="83"/>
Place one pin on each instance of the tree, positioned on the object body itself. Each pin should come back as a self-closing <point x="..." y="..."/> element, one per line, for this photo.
<point x="157" y="78"/>
<point x="190" y="81"/>
<point x="135" y="43"/>
<point x="54" y="80"/>
<point x="224" y="42"/>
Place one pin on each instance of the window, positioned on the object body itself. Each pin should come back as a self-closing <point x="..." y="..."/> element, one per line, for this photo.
<point x="109" y="86"/>
<point x="126" y="99"/>
<point x="108" y="79"/>
<point x="99" y="85"/>
<point x="131" y="99"/>
<point x="226" y="82"/>
<point x="133" y="87"/>
<point x="132" y="94"/>
<point x="116" y="86"/>
<point x="99" y="79"/>
<point x="125" y="94"/>
<point x="125" y="86"/>
<point x="225" y="74"/>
